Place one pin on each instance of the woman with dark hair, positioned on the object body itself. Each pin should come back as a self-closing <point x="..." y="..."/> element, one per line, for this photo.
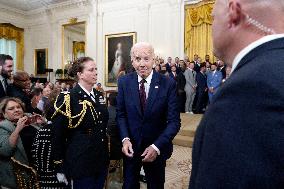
<point x="17" y="132"/>
<point x="41" y="149"/>
<point x="80" y="145"/>
<point x="180" y="86"/>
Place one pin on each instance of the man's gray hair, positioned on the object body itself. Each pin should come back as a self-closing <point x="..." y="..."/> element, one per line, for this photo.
<point x="147" y="48"/>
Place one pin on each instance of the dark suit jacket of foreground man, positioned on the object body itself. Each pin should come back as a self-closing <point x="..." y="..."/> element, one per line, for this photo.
<point x="240" y="140"/>
<point x="161" y="119"/>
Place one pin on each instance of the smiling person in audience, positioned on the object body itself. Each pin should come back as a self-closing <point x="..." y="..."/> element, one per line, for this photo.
<point x="17" y="132"/>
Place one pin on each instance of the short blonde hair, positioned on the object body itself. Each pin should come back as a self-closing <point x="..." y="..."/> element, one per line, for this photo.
<point x="5" y="101"/>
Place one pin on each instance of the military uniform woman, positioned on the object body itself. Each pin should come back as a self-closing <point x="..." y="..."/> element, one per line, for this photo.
<point x="80" y="146"/>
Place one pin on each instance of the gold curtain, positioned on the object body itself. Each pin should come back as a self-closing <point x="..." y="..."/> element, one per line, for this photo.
<point x="198" y="38"/>
<point x="78" y="47"/>
<point x="11" y="32"/>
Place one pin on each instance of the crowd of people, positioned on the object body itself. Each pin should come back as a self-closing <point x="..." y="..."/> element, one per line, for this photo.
<point x="239" y="141"/>
<point x="61" y="131"/>
<point x="197" y="80"/>
<point x="58" y="129"/>
<point x="53" y="123"/>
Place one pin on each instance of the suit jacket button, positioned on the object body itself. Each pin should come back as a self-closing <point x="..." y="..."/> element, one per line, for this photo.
<point x="102" y="140"/>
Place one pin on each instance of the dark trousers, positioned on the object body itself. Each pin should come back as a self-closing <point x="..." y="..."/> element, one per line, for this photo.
<point x="201" y="101"/>
<point x="181" y="97"/>
<point x="154" y="172"/>
<point x="97" y="182"/>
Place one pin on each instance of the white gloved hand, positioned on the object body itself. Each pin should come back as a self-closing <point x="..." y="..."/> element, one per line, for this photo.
<point x="62" y="178"/>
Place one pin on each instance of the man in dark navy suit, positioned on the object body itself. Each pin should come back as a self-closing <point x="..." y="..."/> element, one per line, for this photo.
<point x="201" y="90"/>
<point x="148" y="119"/>
<point x="221" y="68"/>
<point x="169" y="64"/>
<point x="240" y="140"/>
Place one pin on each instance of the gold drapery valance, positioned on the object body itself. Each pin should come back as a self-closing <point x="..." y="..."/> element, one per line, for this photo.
<point x="198" y="21"/>
<point x="78" y="46"/>
<point x="11" y="32"/>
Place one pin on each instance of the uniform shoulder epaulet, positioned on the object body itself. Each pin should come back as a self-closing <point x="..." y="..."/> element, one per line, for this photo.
<point x="62" y="106"/>
<point x="62" y="101"/>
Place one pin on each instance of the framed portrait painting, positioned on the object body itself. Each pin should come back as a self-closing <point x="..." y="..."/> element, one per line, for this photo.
<point x="41" y="62"/>
<point x="117" y="56"/>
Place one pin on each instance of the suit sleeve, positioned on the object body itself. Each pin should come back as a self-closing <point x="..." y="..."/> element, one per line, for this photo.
<point x="173" y="119"/>
<point x="60" y="124"/>
<point x="198" y="80"/>
<point x="121" y="115"/>
<point x="208" y="81"/>
<point x="194" y="79"/>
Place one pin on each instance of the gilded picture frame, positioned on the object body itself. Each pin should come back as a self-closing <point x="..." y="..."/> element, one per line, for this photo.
<point x="41" y="62"/>
<point x="78" y="49"/>
<point x="117" y="56"/>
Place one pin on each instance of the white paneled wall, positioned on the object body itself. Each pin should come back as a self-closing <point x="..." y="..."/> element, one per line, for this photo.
<point x="160" y="22"/>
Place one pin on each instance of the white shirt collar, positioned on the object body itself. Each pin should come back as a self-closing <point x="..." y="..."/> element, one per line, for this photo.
<point x="86" y="91"/>
<point x="252" y="46"/>
<point x="1" y="78"/>
<point x="148" y="79"/>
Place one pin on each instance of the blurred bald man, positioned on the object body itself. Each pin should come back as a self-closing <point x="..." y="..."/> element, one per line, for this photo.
<point x="240" y="140"/>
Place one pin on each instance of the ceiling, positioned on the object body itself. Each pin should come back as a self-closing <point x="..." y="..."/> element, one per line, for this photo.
<point x="28" y="5"/>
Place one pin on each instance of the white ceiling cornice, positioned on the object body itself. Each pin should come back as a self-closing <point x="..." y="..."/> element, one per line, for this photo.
<point x="65" y="4"/>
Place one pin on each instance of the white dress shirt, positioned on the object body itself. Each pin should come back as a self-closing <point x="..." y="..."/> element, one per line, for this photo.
<point x="91" y="94"/>
<point x="252" y="46"/>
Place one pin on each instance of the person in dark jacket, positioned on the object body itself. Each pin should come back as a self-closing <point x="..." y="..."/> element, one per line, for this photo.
<point x="239" y="142"/>
<point x="42" y="149"/>
<point x="6" y="65"/>
<point x="201" y="90"/>
<point x="148" y="119"/>
<point x="112" y="129"/>
<point x="80" y="145"/>
<point x="21" y="89"/>
<point x="180" y="79"/>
